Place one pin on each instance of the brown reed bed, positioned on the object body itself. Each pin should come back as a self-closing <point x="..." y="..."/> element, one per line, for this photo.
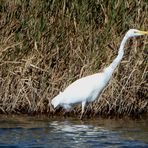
<point x="46" y="45"/>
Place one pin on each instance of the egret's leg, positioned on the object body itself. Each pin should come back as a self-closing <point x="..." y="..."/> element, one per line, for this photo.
<point x="83" y="108"/>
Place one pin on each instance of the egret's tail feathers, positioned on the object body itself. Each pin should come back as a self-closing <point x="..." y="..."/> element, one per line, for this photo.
<point x="56" y="100"/>
<point x="55" y="103"/>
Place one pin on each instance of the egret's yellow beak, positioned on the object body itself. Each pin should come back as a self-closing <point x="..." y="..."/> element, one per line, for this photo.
<point x="143" y="32"/>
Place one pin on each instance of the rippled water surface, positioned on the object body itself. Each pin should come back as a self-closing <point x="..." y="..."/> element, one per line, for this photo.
<point x="39" y="131"/>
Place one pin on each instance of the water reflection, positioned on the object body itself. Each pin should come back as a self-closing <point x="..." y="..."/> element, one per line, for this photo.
<point x="44" y="132"/>
<point x="84" y="135"/>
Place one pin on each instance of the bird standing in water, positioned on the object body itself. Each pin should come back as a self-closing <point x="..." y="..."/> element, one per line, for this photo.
<point x="87" y="89"/>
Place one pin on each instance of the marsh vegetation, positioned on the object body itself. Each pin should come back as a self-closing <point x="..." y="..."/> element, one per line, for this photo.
<point x="46" y="45"/>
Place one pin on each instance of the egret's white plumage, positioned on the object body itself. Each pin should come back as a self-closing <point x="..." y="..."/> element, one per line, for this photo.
<point x="88" y="88"/>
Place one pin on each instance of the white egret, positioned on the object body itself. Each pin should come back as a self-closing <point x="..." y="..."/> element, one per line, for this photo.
<point x="88" y="88"/>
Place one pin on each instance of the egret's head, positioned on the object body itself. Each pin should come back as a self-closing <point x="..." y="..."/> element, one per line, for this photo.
<point x="56" y="100"/>
<point x="135" y="32"/>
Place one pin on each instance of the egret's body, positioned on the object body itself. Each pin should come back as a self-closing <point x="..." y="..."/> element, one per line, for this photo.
<point x="88" y="88"/>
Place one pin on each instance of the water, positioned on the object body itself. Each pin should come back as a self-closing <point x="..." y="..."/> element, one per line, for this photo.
<point x="24" y="131"/>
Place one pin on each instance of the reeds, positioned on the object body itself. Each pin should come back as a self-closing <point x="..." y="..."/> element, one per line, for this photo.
<point x="46" y="45"/>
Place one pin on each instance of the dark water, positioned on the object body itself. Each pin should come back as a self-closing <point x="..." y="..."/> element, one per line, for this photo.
<point x="18" y="131"/>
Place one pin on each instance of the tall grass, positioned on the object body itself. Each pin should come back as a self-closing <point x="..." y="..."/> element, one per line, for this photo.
<point x="46" y="45"/>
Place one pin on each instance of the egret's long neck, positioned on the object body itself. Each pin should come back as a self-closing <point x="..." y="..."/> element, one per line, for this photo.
<point x="110" y="69"/>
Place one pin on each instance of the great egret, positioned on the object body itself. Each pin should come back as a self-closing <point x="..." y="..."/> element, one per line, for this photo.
<point x="88" y="88"/>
